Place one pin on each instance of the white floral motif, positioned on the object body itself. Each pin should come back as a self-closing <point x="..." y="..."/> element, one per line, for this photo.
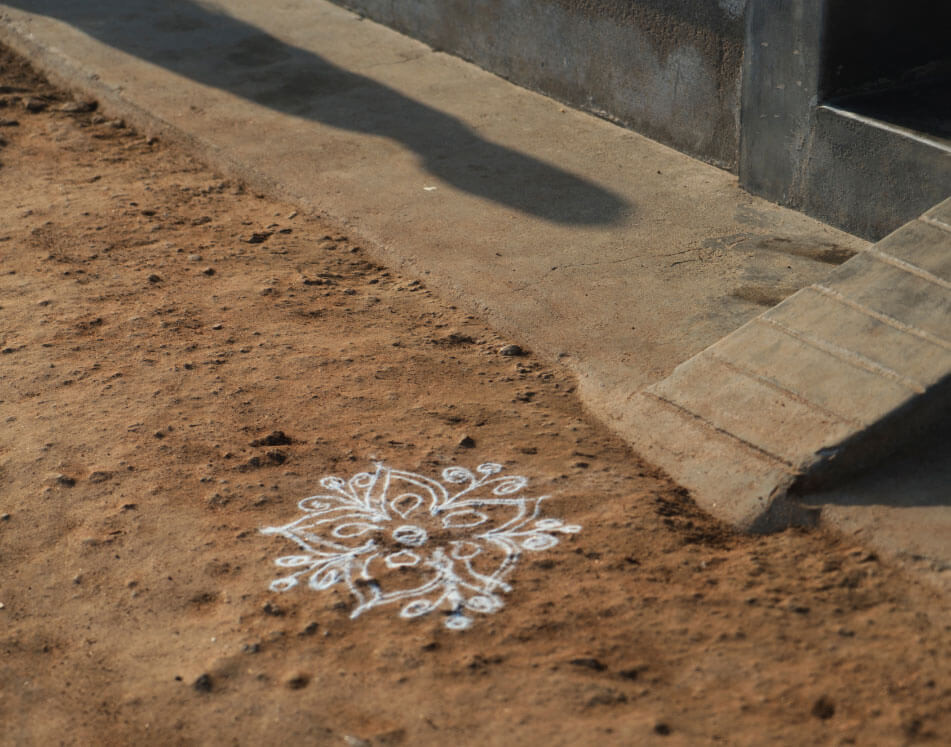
<point x="394" y="536"/>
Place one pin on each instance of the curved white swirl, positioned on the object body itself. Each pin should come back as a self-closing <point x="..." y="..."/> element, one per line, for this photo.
<point x="392" y="536"/>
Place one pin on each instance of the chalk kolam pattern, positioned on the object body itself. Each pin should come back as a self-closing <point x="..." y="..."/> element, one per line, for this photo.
<point x="395" y="537"/>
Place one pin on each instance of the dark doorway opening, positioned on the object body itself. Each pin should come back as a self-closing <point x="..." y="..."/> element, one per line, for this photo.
<point x="890" y="61"/>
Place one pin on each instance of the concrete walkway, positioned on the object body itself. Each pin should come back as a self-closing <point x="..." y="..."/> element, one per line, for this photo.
<point x="586" y="242"/>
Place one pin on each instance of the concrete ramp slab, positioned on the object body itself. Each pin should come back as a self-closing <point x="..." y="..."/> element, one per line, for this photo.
<point x="789" y="419"/>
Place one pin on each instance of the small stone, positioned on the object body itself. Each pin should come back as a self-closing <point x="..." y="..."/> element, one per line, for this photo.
<point x="216" y="500"/>
<point x="251" y="648"/>
<point x="97" y="119"/>
<point x="589" y="663"/>
<point x="352" y="741"/>
<point x="9" y="123"/>
<point x="662" y="729"/>
<point x="33" y="104"/>
<point x="78" y="107"/>
<point x="194" y="258"/>
<point x="297" y="681"/>
<point x="467" y="442"/>
<point x="258" y="237"/>
<point x="274" y="438"/>
<point x="794" y="605"/>
<point x="254" y="462"/>
<point x="511" y="350"/>
<point x="606" y="697"/>
<point x="273" y="610"/>
<point x="208" y="271"/>
<point x="4" y="517"/>
<point x="66" y="480"/>
<point x="632" y="673"/>
<point x="155" y="278"/>
<point x="203" y="683"/>
<point x="217" y="326"/>
<point x="311" y="629"/>
<point x="823" y="708"/>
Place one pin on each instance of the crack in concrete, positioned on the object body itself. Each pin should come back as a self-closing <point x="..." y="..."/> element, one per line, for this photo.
<point x="401" y="61"/>
<point x="572" y="265"/>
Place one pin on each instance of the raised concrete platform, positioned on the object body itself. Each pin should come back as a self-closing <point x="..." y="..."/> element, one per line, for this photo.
<point x="619" y="257"/>
<point x="806" y="395"/>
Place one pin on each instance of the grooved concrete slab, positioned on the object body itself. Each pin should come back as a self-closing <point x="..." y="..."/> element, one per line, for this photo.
<point x="631" y="263"/>
<point x="919" y="358"/>
<point x="911" y="298"/>
<point x="826" y="384"/>
<point x="793" y="426"/>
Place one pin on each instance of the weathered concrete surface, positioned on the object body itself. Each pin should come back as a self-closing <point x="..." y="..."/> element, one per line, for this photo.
<point x="825" y="385"/>
<point x="581" y="238"/>
<point x="670" y="69"/>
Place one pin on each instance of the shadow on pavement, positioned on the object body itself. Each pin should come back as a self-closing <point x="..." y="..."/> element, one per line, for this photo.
<point x="917" y="475"/>
<point x="215" y="49"/>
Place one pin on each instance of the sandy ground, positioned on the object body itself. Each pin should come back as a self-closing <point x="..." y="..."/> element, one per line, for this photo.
<point x="158" y="322"/>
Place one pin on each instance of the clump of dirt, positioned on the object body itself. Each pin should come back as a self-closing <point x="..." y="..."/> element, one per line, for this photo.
<point x="174" y="378"/>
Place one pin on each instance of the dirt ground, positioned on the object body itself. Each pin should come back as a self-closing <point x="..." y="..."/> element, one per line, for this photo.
<point x="156" y="319"/>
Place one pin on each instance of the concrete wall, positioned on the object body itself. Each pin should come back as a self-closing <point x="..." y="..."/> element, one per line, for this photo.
<point x="670" y="69"/>
<point x="751" y="86"/>
<point x="796" y="149"/>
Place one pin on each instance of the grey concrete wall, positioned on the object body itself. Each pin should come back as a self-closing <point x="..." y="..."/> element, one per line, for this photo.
<point x="860" y="175"/>
<point x="669" y="69"/>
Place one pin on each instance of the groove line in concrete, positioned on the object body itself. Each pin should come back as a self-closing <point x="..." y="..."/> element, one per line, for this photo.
<point x="852" y="358"/>
<point x="772" y="384"/>
<point x="936" y="223"/>
<point x="907" y="267"/>
<point x="879" y="316"/>
<point x="691" y="415"/>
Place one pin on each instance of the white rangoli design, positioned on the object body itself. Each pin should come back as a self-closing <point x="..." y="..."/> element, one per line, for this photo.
<point x="393" y="536"/>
